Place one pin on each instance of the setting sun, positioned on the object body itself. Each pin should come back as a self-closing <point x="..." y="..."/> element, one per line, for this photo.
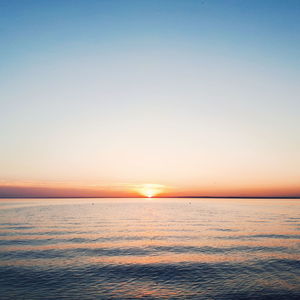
<point x="150" y="190"/>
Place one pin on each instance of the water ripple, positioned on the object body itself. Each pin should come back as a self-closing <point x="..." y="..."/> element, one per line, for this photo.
<point x="155" y="249"/>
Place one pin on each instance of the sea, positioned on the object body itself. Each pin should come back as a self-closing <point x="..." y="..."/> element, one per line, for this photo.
<point x="184" y="248"/>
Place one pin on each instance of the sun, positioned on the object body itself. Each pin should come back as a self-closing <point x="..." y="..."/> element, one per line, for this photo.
<point x="150" y="190"/>
<point x="149" y="193"/>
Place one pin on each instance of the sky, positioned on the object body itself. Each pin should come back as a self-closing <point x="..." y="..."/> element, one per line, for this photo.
<point x="125" y="98"/>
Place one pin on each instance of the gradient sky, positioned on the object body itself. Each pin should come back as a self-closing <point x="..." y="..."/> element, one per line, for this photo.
<point x="100" y="97"/>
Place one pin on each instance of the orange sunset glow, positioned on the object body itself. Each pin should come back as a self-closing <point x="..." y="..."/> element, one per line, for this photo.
<point x="148" y="190"/>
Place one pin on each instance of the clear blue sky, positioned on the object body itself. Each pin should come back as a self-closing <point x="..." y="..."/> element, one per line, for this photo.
<point x="198" y="96"/>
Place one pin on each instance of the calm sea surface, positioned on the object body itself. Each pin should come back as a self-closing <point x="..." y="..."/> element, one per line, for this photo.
<point x="150" y="249"/>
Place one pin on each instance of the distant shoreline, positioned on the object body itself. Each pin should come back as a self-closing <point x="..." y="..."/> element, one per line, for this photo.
<point x="175" y="197"/>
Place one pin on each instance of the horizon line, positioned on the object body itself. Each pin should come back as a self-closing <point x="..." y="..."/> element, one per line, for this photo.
<point x="169" y="197"/>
